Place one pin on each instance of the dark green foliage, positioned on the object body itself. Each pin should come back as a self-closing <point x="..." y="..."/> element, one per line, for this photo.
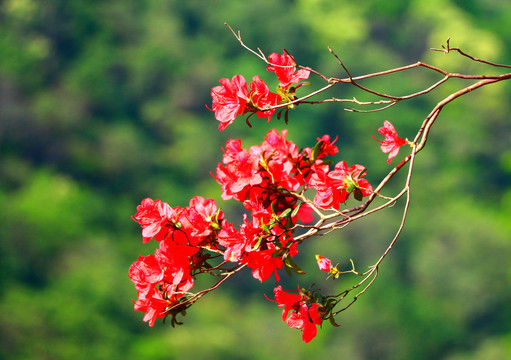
<point x="102" y="104"/>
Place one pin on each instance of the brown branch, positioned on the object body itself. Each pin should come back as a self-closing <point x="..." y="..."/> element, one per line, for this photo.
<point x="447" y="49"/>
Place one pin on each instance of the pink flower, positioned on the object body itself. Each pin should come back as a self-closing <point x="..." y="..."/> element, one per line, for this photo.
<point x="324" y="263"/>
<point x="229" y="100"/>
<point x="284" y="66"/>
<point x="392" y="141"/>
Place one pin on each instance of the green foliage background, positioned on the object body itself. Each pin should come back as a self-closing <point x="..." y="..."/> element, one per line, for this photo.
<point x="102" y="104"/>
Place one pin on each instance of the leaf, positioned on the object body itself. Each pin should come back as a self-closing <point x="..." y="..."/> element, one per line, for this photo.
<point x="288" y="271"/>
<point x="358" y="194"/>
<point x="332" y="320"/>
<point x="292" y="265"/>
<point x="295" y="211"/>
<point x="316" y="150"/>
<point x="285" y="213"/>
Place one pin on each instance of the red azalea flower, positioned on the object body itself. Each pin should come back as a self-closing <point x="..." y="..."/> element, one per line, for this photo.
<point x="176" y="259"/>
<point x="351" y="177"/>
<point x="392" y="141"/>
<point x="153" y="306"/>
<point x="229" y="100"/>
<point x="305" y="213"/>
<point x="261" y="97"/>
<point x="286" y="300"/>
<point x="284" y="66"/>
<point x="334" y="187"/>
<point x="196" y="219"/>
<point x="305" y="315"/>
<point x="155" y="218"/>
<point x="238" y="243"/>
<point x="306" y="319"/>
<point x="326" y="195"/>
<point x="145" y="273"/>
<point x="280" y="158"/>
<point x="263" y="263"/>
<point x="241" y="171"/>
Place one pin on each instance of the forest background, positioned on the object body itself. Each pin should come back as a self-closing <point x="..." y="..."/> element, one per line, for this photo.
<point x="103" y="104"/>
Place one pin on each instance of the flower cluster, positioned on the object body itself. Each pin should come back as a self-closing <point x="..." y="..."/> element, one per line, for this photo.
<point x="164" y="278"/>
<point x="263" y="172"/>
<point x="233" y="98"/>
<point x="271" y="180"/>
<point x="267" y="180"/>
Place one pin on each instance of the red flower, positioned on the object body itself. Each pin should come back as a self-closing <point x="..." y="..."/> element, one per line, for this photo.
<point x="154" y="217"/>
<point x="305" y="315"/>
<point x="286" y="300"/>
<point x="263" y="263"/>
<point x="153" y="305"/>
<point x="305" y="214"/>
<point x="306" y="319"/>
<point x="335" y="186"/>
<point x="241" y="171"/>
<point x="261" y="97"/>
<point x="323" y="148"/>
<point x="229" y="100"/>
<point x="392" y="141"/>
<point x="284" y="66"/>
<point x="176" y="260"/>
<point x="145" y="273"/>
<point x="280" y="159"/>
<point x="237" y="243"/>
<point x="197" y="219"/>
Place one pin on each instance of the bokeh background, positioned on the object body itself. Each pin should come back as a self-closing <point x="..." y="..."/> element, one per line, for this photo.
<point x="102" y="103"/>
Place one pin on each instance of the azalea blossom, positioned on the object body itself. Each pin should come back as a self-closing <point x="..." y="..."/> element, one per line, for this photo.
<point x="145" y="274"/>
<point x="261" y="98"/>
<point x="264" y="178"/>
<point x="229" y="100"/>
<point x="152" y="305"/>
<point x="233" y="98"/>
<point x="284" y="66"/>
<point x="305" y="314"/>
<point x="334" y="187"/>
<point x="155" y="218"/>
<point x="324" y="263"/>
<point x="392" y="141"/>
<point x="263" y="263"/>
